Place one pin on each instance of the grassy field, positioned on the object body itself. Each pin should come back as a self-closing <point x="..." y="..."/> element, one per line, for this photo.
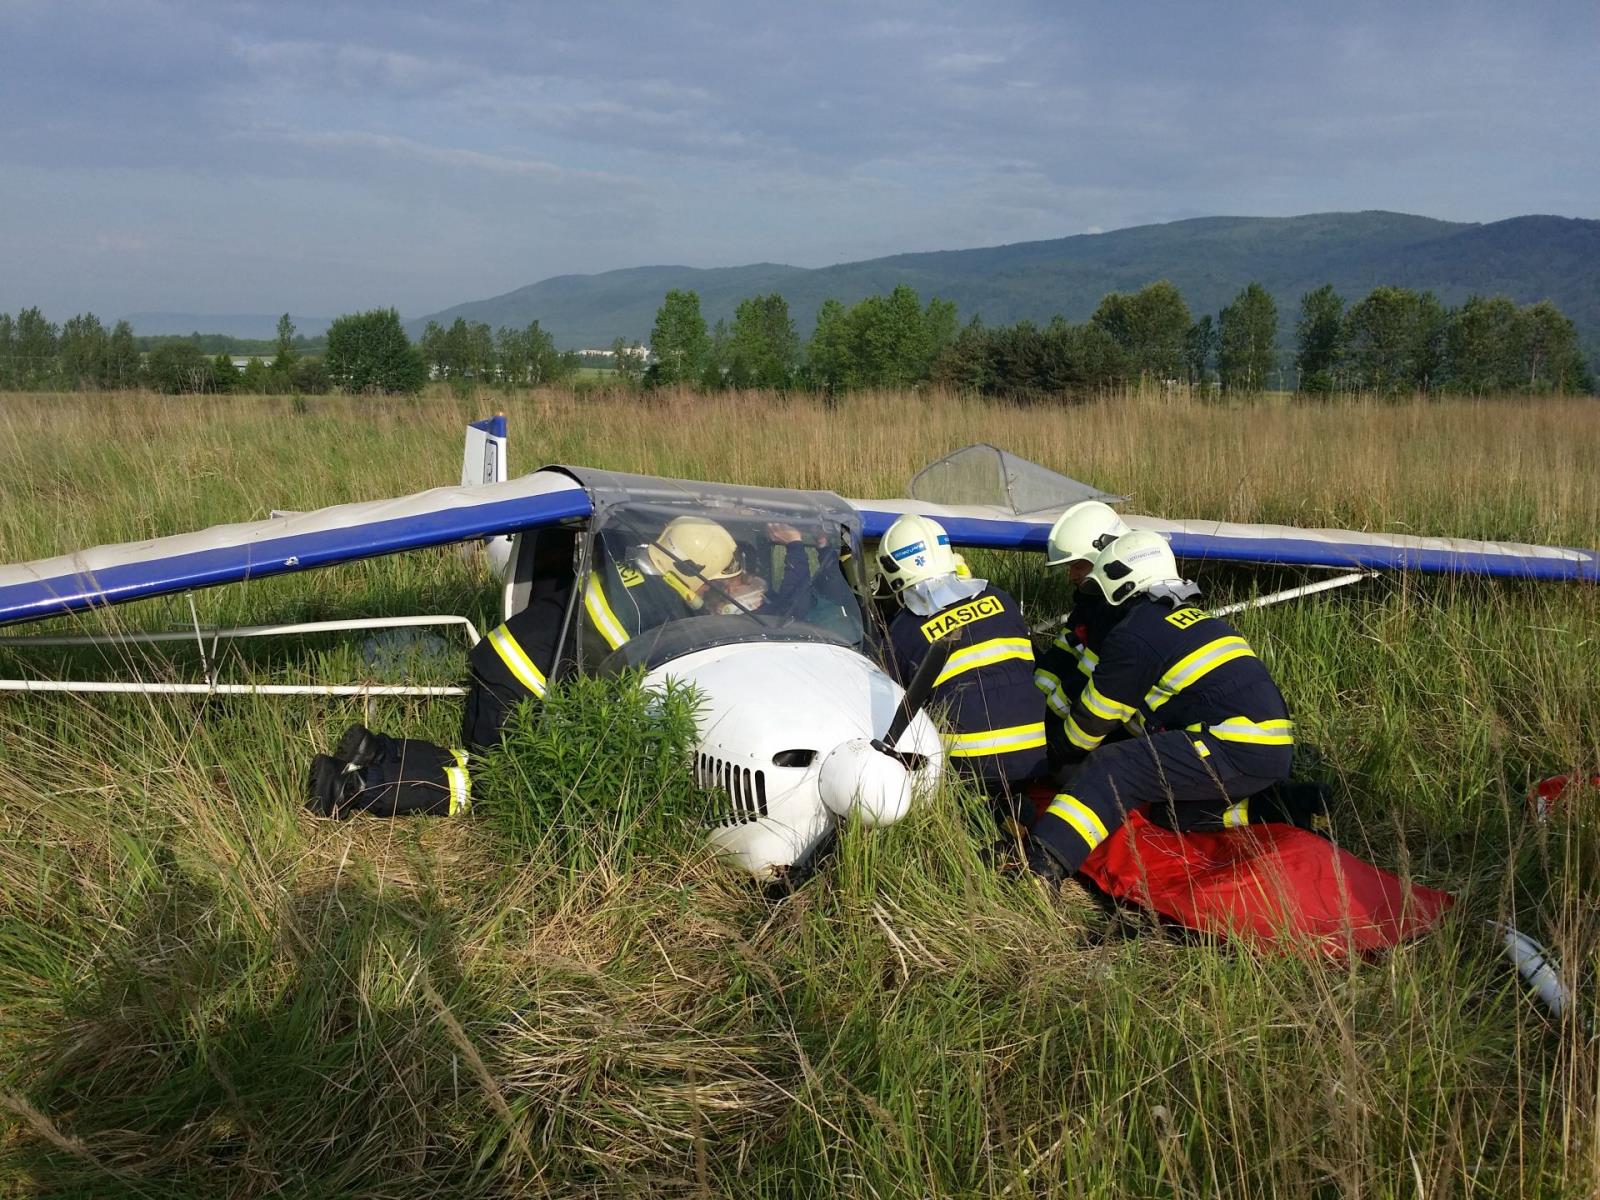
<point x="204" y="992"/>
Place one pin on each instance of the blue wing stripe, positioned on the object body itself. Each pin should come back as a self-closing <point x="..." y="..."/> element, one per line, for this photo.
<point x="1357" y="551"/>
<point x="74" y="592"/>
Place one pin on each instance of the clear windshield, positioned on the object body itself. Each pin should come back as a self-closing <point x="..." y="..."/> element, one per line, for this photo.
<point x="676" y="579"/>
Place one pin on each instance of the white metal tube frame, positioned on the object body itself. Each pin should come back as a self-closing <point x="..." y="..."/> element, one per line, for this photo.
<point x="211" y="687"/>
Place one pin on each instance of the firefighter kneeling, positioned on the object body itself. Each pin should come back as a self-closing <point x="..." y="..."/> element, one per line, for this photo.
<point x="994" y="714"/>
<point x="1217" y="731"/>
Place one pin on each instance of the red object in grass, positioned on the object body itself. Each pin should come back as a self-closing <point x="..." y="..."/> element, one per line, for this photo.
<point x="1267" y="885"/>
<point x="1547" y="796"/>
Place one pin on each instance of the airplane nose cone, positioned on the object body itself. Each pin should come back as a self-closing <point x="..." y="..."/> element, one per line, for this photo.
<point x="855" y="778"/>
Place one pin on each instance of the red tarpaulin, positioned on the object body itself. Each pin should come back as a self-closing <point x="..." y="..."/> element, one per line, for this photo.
<point x="1266" y="884"/>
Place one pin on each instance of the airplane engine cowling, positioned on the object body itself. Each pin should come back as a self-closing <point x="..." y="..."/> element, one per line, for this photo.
<point x="772" y="714"/>
<point x="856" y="778"/>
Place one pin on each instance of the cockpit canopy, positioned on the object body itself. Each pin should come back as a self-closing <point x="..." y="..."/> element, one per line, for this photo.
<point x="665" y="567"/>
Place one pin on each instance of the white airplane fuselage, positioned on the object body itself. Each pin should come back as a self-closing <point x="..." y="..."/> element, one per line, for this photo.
<point x="772" y="715"/>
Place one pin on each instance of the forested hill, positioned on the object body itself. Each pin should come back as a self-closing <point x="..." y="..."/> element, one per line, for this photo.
<point x="1208" y="258"/>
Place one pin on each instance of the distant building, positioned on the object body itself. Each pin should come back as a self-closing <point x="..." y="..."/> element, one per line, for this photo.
<point x="642" y="353"/>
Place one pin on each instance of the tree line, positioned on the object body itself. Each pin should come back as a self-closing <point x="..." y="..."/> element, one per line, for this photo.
<point x="1394" y="340"/>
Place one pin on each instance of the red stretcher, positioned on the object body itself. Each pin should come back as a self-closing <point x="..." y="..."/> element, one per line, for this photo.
<point x="1273" y="886"/>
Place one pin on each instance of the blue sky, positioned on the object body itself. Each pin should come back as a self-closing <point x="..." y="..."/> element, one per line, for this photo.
<point x="324" y="157"/>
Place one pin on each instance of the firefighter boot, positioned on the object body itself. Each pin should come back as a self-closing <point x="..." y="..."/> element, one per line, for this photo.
<point x="331" y="786"/>
<point x="359" y="747"/>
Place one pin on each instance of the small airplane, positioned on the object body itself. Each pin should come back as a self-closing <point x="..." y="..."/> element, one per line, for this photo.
<point x="800" y="726"/>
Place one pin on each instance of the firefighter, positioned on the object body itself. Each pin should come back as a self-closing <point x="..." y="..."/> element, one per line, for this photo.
<point x="1217" y="729"/>
<point x="995" y="716"/>
<point x="693" y="565"/>
<point x="1076" y="538"/>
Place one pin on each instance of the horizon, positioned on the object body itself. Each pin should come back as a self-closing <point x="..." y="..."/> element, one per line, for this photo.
<point x="312" y="324"/>
<point x="175" y="157"/>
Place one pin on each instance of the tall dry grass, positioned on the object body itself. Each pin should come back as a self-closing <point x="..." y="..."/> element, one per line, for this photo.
<point x="205" y="992"/>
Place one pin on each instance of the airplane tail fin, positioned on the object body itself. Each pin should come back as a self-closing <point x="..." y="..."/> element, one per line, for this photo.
<point x="484" y="461"/>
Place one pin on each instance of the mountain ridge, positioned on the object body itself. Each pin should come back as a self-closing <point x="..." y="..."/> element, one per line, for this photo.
<point x="1529" y="258"/>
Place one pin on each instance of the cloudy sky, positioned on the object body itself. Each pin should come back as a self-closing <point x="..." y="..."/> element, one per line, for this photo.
<point x="322" y="157"/>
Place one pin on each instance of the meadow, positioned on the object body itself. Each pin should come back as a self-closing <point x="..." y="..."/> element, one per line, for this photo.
<point x="206" y="992"/>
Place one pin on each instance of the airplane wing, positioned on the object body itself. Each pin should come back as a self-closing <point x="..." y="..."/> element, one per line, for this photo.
<point x="301" y="541"/>
<point x="988" y="526"/>
<point x="988" y="497"/>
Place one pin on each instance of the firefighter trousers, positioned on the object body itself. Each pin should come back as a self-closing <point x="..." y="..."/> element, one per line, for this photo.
<point x="1189" y="781"/>
<point x="411" y="777"/>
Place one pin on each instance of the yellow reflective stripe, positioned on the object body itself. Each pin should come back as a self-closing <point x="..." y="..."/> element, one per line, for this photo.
<point x="1088" y="660"/>
<point x="1080" y="739"/>
<point x="683" y="589"/>
<point x="1236" y="816"/>
<point x="460" y="780"/>
<point x="1055" y="699"/>
<point x="1205" y="750"/>
<point x="1080" y="816"/>
<point x="594" y="603"/>
<point x="985" y="654"/>
<point x="984" y="742"/>
<point x="1103" y="706"/>
<point x="517" y="660"/>
<point x="1257" y="733"/>
<point x="1063" y="642"/>
<point x="1196" y="666"/>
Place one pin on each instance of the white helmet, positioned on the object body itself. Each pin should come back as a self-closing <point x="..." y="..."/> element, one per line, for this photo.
<point x="1133" y="564"/>
<point x="706" y="550"/>
<point x="913" y="549"/>
<point x="1081" y="532"/>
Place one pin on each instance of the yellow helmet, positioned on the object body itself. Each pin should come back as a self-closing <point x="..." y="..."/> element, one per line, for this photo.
<point x="1082" y="532"/>
<point x="695" y="549"/>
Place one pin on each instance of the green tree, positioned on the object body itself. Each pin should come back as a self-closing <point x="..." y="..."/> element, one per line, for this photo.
<point x="828" y="351"/>
<point x="8" y="350"/>
<point x="511" y="345"/>
<point x="1199" y="350"/>
<point x="882" y="341"/>
<point x="1319" y="339"/>
<point x="1547" y="344"/>
<point x="310" y="377"/>
<point x="369" y="352"/>
<point x="35" y="341"/>
<point x="1395" y="340"/>
<point x="179" y="367"/>
<point x="456" y="350"/>
<point x="964" y="363"/>
<point x="1151" y="326"/>
<point x="1247" y="335"/>
<point x="714" y="375"/>
<point x="123" y="364"/>
<point x="283" y="362"/>
<point x="481" y="362"/>
<point x="82" y="352"/>
<point x="256" y="378"/>
<point x="626" y="360"/>
<point x="546" y="364"/>
<point x="224" y="376"/>
<point x="763" y="347"/>
<point x="1481" y="354"/>
<point x="679" y="341"/>
<point x="433" y="346"/>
